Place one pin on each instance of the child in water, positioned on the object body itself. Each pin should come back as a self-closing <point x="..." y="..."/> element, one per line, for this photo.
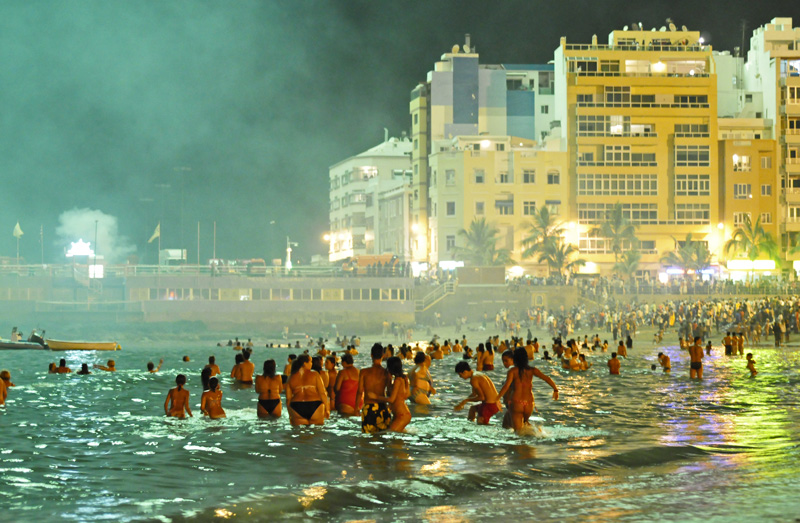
<point x="751" y="365"/>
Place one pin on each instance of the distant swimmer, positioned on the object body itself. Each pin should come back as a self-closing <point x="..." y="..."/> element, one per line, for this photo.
<point x="151" y="367"/>
<point x="246" y="369"/>
<point x="375" y="415"/>
<point x="269" y="387"/>
<point x="585" y="365"/>
<point x="614" y="364"/>
<point x="186" y="359"/>
<point x="62" y="367"/>
<point x="728" y="342"/>
<point x="287" y="369"/>
<point x="212" y="364"/>
<point x="708" y="348"/>
<point x="52" y="369"/>
<point x="751" y="365"/>
<point x="401" y="416"/>
<point x="178" y="400"/>
<point x="483" y="391"/>
<point x="110" y="366"/>
<point x="519" y="381"/>
<point x="84" y="369"/>
<point x="420" y="379"/>
<point x="306" y="398"/>
<point x="3" y="393"/>
<point x="211" y="401"/>
<point x="696" y="355"/>
<point x="622" y="350"/>
<point x="5" y="376"/>
<point x="346" y="387"/>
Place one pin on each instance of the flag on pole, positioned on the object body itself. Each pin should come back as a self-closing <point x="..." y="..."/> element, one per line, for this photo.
<point x="17" y="231"/>
<point x="156" y="233"/>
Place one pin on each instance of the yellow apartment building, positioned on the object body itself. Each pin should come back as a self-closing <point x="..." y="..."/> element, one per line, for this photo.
<point x="639" y="116"/>
<point x="502" y="179"/>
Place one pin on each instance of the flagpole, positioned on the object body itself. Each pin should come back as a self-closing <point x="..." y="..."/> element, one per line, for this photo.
<point x="198" y="245"/>
<point x="214" y="255"/>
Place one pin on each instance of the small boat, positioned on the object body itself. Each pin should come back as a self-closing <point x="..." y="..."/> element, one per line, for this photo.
<point x="83" y="345"/>
<point x="21" y="345"/>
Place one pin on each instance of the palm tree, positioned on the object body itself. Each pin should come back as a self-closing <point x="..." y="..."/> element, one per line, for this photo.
<point x="752" y="240"/>
<point x="480" y="245"/>
<point x="560" y="257"/>
<point x="544" y="229"/>
<point x="628" y="264"/>
<point x="693" y="255"/>
<point x="617" y="229"/>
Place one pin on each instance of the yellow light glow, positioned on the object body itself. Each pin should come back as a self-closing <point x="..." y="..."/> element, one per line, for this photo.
<point x="516" y="271"/>
<point x="311" y="494"/>
<point x="326" y="237"/>
<point x="659" y="67"/>
<point x="223" y="513"/>
<point x="485" y="144"/>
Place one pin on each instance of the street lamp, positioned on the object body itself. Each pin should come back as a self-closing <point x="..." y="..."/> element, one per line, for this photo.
<point x="289" y="245"/>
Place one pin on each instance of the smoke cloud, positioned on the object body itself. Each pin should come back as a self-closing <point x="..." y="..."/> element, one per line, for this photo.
<point x="79" y="224"/>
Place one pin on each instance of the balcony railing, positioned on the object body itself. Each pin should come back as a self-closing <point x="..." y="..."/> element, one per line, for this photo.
<point x="584" y="163"/>
<point x="626" y="47"/>
<point x="604" y="134"/>
<point x="640" y="75"/>
<point x="645" y="105"/>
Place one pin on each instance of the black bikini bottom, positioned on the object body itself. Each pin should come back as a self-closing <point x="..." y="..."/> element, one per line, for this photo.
<point x="269" y="405"/>
<point x="305" y="409"/>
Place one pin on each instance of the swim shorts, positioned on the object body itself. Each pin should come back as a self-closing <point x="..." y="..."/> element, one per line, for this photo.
<point x="697" y="365"/>
<point x="487" y="410"/>
<point x="375" y="417"/>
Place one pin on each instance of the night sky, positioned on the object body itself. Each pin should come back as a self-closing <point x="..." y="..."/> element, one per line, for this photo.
<point x="125" y="114"/>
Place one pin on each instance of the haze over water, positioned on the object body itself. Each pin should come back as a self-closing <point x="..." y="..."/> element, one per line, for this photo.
<point x="637" y="447"/>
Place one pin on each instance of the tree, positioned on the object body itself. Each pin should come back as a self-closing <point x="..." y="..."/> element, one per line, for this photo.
<point x="693" y="255"/>
<point x="752" y="240"/>
<point x="628" y="264"/>
<point x="543" y="229"/>
<point x="560" y="257"/>
<point x="480" y="245"/>
<point x="617" y="229"/>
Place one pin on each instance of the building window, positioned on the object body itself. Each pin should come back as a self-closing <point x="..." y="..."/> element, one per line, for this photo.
<point x="529" y="208"/>
<point x="692" y="213"/>
<point x="692" y="155"/>
<point x="546" y="82"/>
<point x="450" y="177"/>
<point x="416" y="118"/>
<point x="766" y="218"/>
<point x="528" y="176"/>
<point x="553" y="178"/>
<point x="641" y="213"/>
<point x="554" y="209"/>
<point x="691" y="130"/>
<point x="766" y="190"/>
<point x="618" y="185"/>
<point x="479" y="208"/>
<point x="545" y="109"/>
<point x="741" y="163"/>
<point x="504" y="207"/>
<point x="451" y="208"/>
<point x="416" y="144"/>
<point x="450" y="241"/>
<point x="766" y="162"/>
<point x="739" y="218"/>
<point x="692" y="185"/>
<point x="741" y="191"/>
<point x="480" y="175"/>
<point x="500" y="147"/>
<point x="503" y="177"/>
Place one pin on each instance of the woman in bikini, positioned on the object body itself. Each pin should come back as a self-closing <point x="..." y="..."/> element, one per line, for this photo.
<point x="305" y="394"/>
<point x="211" y="400"/>
<point x="346" y="387"/>
<point x="521" y="377"/>
<point x="488" y="358"/>
<point x="269" y="387"/>
<point x="330" y="370"/>
<point x="401" y="416"/>
<point x="421" y="383"/>
<point x="178" y="400"/>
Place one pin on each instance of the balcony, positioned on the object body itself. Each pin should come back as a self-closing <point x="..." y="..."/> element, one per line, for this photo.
<point x="792" y="166"/>
<point x="792" y="108"/>
<point x="585" y="163"/>
<point x="624" y="47"/>
<point x="792" y="194"/>
<point x="792" y="224"/>
<point x="791" y="136"/>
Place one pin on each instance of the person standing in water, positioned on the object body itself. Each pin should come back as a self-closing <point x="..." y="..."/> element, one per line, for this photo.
<point x="306" y="398"/>
<point x="696" y="356"/>
<point x="421" y="381"/>
<point x="614" y="364"/>
<point x="519" y="381"/>
<point x="483" y="390"/>
<point x="269" y="387"/>
<point x="178" y="399"/>
<point x="751" y="365"/>
<point x="211" y="401"/>
<point x="401" y="416"/>
<point x="346" y="387"/>
<point x="375" y="415"/>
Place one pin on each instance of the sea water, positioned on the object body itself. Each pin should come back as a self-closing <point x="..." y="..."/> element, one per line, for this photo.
<point x="642" y="446"/>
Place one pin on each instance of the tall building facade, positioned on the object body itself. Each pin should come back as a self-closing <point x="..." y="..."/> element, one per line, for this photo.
<point x="369" y="202"/>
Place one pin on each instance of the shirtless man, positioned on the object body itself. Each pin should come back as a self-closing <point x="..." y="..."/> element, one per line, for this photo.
<point x="212" y="364"/>
<point x="727" y="341"/>
<point x="663" y="359"/>
<point x="696" y="355"/>
<point x="420" y="379"/>
<point x="109" y="367"/>
<point x="622" y="350"/>
<point x="287" y="369"/>
<point x="375" y="415"/>
<point x="751" y="365"/>
<point x="62" y="367"/>
<point x="151" y="367"/>
<point x="246" y="370"/>
<point x="614" y="364"/>
<point x="483" y="390"/>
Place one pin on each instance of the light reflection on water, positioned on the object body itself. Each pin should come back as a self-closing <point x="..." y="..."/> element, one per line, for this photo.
<point x="97" y="447"/>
